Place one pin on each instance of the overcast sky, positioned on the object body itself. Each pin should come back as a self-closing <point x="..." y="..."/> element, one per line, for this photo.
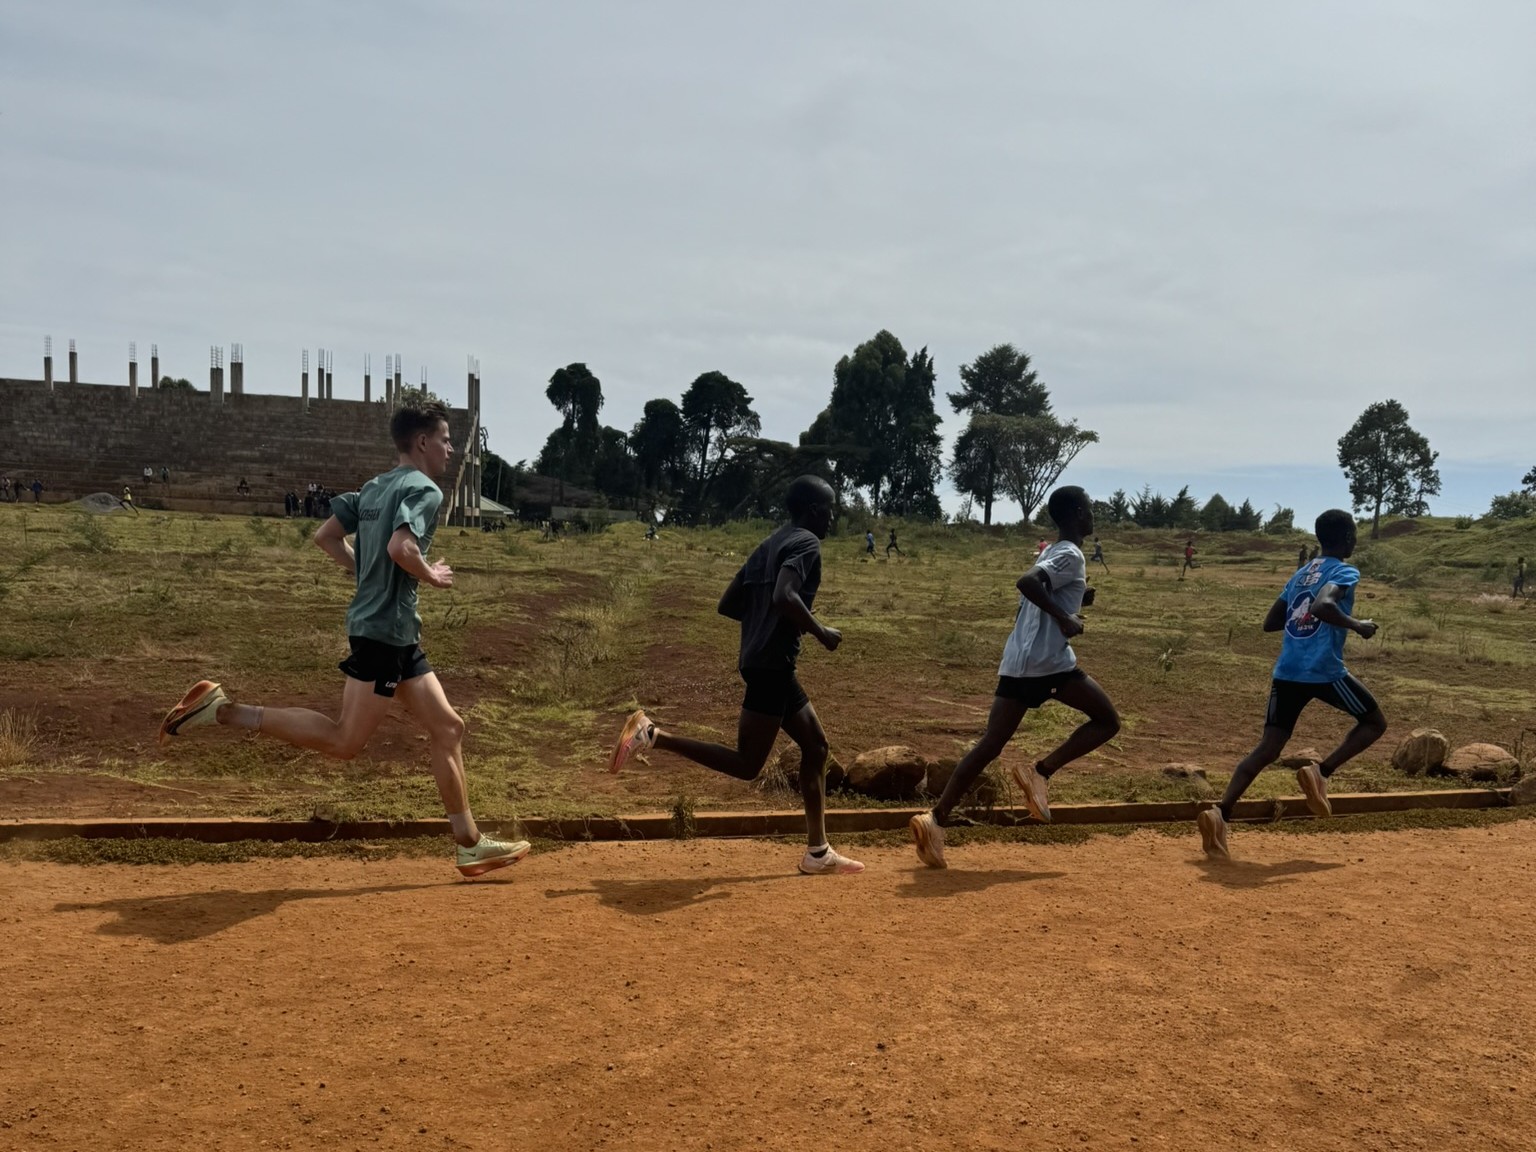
<point x="1220" y="230"/>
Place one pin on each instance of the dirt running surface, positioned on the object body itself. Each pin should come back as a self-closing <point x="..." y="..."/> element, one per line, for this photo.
<point x="1360" y="991"/>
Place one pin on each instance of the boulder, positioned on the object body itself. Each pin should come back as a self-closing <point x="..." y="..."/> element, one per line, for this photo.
<point x="1422" y="753"/>
<point x="787" y="766"/>
<point x="1483" y="762"/>
<point x="1524" y="791"/>
<point x="895" y="772"/>
<point x="983" y="793"/>
<point x="1184" y="772"/>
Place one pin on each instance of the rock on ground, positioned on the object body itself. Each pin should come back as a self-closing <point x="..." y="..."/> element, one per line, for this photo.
<point x="1422" y="752"/>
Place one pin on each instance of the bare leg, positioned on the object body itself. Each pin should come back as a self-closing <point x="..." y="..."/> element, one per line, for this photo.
<point x="362" y="711"/>
<point x="1101" y="726"/>
<point x="1367" y="730"/>
<point x="1271" y="744"/>
<point x="424" y="698"/>
<point x="804" y="728"/>
<point x="1002" y="722"/>
<point x="755" y="734"/>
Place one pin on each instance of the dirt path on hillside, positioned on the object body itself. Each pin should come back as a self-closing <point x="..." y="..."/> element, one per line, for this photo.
<point x="1360" y="991"/>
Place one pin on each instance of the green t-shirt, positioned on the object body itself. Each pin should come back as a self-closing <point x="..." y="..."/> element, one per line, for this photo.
<point x="384" y="608"/>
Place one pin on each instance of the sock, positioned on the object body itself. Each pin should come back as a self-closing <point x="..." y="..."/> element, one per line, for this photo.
<point x="464" y="830"/>
<point x="1325" y="771"/>
<point x="241" y="716"/>
<point x="1043" y="770"/>
<point x="819" y="852"/>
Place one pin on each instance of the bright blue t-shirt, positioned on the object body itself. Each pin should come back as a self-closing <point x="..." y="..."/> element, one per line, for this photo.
<point x="1311" y="651"/>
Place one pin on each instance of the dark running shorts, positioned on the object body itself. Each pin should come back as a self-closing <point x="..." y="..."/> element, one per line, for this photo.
<point x="773" y="692"/>
<point x="384" y="665"/>
<point x="1288" y="697"/>
<point x="1033" y="691"/>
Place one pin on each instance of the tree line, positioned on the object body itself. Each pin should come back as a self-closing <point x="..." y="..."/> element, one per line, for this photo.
<point x="703" y="459"/>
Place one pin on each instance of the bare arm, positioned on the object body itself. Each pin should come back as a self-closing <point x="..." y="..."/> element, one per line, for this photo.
<point x="733" y="601"/>
<point x="1035" y="587"/>
<point x="404" y="551"/>
<point x="1326" y="608"/>
<point x="331" y="538"/>
<point x="1274" y="620"/>
<point x="787" y="602"/>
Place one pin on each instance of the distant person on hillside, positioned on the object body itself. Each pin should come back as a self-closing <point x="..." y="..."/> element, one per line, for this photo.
<point x="37" y="491"/>
<point x="5" y="489"/>
<point x="650" y="530"/>
<point x="771" y="596"/>
<point x="1311" y="556"/>
<point x="1519" y="578"/>
<point x="1301" y="556"/>
<point x="1313" y="612"/>
<point x="309" y="501"/>
<point x="243" y="488"/>
<point x="1098" y="555"/>
<point x="149" y="475"/>
<point x="1041" y="547"/>
<point x="1038" y="665"/>
<point x="394" y="518"/>
<point x="893" y="545"/>
<point x="127" y="500"/>
<point x="1189" y="558"/>
<point x="869" y="543"/>
<point x="165" y="475"/>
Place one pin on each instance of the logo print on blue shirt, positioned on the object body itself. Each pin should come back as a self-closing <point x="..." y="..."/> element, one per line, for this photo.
<point x="1300" y="623"/>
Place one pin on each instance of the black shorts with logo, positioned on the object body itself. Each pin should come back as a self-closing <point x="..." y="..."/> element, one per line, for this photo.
<point x="1033" y="691"/>
<point x="384" y="665"/>
<point x="1288" y="697"/>
<point x="773" y="692"/>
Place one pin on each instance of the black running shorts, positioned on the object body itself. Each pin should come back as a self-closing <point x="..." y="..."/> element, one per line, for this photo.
<point x="773" y="692"/>
<point x="384" y="665"/>
<point x="1288" y="697"/>
<point x="1033" y="691"/>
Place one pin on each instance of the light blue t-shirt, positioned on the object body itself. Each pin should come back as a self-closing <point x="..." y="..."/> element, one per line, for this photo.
<point x="384" y="607"/>
<point x="1310" y="651"/>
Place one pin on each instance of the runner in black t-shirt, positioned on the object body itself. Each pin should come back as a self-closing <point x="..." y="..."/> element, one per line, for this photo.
<point x="772" y="597"/>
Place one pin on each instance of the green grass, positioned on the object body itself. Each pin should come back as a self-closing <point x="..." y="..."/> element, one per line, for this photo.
<point x="545" y="644"/>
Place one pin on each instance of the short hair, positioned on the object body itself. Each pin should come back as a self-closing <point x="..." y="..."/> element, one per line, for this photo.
<point x="414" y="419"/>
<point x="805" y="491"/>
<point x="1066" y="501"/>
<point x="1333" y="527"/>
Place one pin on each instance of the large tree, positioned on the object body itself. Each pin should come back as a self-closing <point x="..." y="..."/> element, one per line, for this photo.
<point x="999" y="382"/>
<point x="879" y="430"/>
<point x="659" y="443"/>
<point x="1035" y="452"/>
<point x="716" y="410"/>
<point x="571" y="451"/>
<point x="1388" y="464"/>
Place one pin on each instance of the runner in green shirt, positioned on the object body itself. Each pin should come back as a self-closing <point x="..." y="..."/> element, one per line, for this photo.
<point x="393" y="518"/>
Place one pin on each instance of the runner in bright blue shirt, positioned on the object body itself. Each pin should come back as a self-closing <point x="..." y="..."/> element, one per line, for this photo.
<point x="1314" y="612"/>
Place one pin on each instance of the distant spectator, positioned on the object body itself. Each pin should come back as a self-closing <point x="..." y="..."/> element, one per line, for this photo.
<point x="37" y="491"/>
<point x="165" y="475"/>
<point x="1311" y="556"/>
<point x="149" y="474"/>
<point x="1519" y="579"/>
<point x="1301" y="556"/>
<point x="243" y="488"/>
<point x="309" y="501"/>
<point x="5" y="489"/>
<point x="1041" y="547"/>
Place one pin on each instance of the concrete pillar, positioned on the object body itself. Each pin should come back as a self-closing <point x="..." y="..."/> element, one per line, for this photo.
<point x="367" y="387"/>
<point x="237" y="369"/>
<point x="74" y="364"/>
<point x="133" y="372"/>
<point x="304" y="382"/>
<point x="215" y="376"/>
<point x="48" y="362"/>
<point x="154" y="366"/>
<point x="330" y="382"/>
<point x="396" y="402"/>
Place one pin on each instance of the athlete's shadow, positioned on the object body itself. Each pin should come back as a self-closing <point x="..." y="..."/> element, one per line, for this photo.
<point x="650" y="897"/>
<point x="193" y="915"/>
<point x="931" y="882"/>
<point x="1248" y="874"/>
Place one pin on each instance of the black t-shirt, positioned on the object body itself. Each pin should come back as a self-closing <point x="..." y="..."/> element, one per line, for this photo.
<point x="769" y="640"/>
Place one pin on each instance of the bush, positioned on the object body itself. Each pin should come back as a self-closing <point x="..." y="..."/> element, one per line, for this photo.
<point x="1463" y="523"/>
<point x="1512" y="506"/>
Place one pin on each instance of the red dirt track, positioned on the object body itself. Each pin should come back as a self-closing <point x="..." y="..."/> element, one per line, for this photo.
<point x="1331" y="991"/>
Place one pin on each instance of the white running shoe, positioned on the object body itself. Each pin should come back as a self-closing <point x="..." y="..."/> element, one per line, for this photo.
<point x="928" y="835"/>
<point x="1032" y="784"/>
<point x="638" y="732"/>
<point x="829" y="863"/>
<point x="487" y="855"/>
<point x="1314" y="786"/>
<point x="198" y="707"/>
<point x="1213" y="833"/>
